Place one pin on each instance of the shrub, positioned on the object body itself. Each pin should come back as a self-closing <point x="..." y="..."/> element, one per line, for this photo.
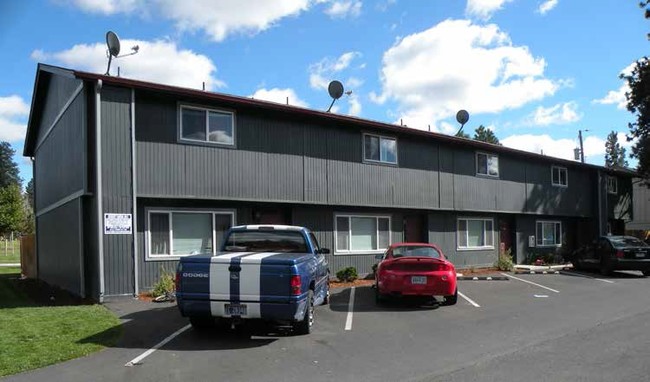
<point x="504" y="262"/>
<point x="164" y="286"/>
<point x="374" y="268"/>
<point x="348" y="274"/>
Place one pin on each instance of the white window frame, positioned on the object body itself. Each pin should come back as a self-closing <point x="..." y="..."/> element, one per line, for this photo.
<point x="612" y="181"/>
<point x="486" y="164"/>
<point x="363" y="144"/>
<point x="207" y="111"/>
<point x="170" y="212"/>
<point x="468" y="218"/>
<point x="539" y="240"/>
<point x="560" y="169"/>
<point x="369" y="251"/>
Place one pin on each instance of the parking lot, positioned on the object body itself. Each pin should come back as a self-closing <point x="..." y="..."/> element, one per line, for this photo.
<point x="569" y="326"/>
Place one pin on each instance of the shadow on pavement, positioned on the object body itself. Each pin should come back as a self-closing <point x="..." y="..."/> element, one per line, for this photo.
<point x="364" y="301"/>
<point x="621" y="275"/>
<point x="144" y="324"/>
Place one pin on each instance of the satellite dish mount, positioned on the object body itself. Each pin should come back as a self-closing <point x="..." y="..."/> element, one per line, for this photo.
<point x="335" y="88"/>
<point x="113" y="49"/>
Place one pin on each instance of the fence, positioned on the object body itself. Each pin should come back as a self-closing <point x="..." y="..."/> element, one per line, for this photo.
<point x="9" y="247"/>
<point x="28" y="256"/>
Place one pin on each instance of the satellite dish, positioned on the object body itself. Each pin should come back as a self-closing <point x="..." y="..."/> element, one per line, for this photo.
<point x="462" y="116"/>
<point x="335" y="88"/>
<point x="113" y="44"/>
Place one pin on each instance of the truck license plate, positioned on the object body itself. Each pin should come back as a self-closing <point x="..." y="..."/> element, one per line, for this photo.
<point x="236" y="309"/>
<point x="640" y="254"/>
<point x="418" y="279"/>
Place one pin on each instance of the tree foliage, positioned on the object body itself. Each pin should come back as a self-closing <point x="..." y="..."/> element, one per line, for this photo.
<point x="462" y="134"/>
<point x="614" y="153"/>
<point x="8" y="168"/>
<point x="29" y="193"/>
<point x="638" y="103"/>
<point x="484" y="134"/>
<point x="12" y="210"/>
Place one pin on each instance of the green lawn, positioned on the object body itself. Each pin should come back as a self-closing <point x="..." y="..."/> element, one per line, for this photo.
<point x="10" y="253"/>
<point x="35" y="336"/>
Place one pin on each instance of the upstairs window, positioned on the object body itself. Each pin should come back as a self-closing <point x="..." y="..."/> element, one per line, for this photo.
<point x="487" y="164"/>
<point x="612" y="185"/>
<point x="207" y="125"/>
<point x="379" y="149"/>
<point x="559" y="176"/>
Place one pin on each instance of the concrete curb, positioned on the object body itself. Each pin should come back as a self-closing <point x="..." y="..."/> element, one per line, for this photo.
<point x="482" y="278"/>
<point x="521" y="272"/>
<point x="542" y="269"/>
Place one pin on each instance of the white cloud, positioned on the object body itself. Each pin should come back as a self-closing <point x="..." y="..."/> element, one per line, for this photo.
<point x="343" y="9"/>
<point x="547" y="6"/>
<point x="617" y="97"/>
<point x="108" y="7"/>
<point x="280" y="96"/>
<point x="217" y="19"/>
<point x="559" y="114"/>
<point x="483" y="9"/>
<point x="355" y="105"/>
<point x="158" y="61"/>
<point x="13" y="110"/>
<point x="560" y="148"/>
<point x="322" y="72"/>
<point x="459" y="65"/>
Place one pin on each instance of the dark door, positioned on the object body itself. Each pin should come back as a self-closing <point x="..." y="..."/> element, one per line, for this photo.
<point x="271" y="216"/>
<point x="415" y="229"/>
<point x="505" y="236"/>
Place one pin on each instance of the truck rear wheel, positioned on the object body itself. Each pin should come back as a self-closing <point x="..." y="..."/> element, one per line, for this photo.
<point x="305" y="326"/>
<point x="202" y="324"/>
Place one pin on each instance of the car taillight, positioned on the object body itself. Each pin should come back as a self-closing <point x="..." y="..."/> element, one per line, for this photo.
<point x="295" y="285"/>
<point x="620" y="254"/>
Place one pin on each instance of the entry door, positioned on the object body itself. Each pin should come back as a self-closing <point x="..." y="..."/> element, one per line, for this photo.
<point x="505" y="236"/>
<point x="414" y="229"/>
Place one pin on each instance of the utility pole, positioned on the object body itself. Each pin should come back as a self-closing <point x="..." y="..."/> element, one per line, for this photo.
<point x="582" y="151"/>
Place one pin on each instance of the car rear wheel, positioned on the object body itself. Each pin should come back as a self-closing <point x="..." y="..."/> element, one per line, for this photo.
<point x="379" y="297"/>
<point x="646" y="273"/>
<point x="202" y="324"/>
<point x="305" y="326"/>
<point x="605" y="270"/>
<point x="451" y="300"/>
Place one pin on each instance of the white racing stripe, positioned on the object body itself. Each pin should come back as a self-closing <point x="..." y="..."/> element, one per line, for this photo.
<point x="469" y="300"/>
<point x="532" y="283"/>
<point x="249" y="282"/>
<point x="220" y="286"/>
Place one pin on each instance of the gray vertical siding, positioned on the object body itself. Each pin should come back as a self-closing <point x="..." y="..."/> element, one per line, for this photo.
<point x="442" y="231"/>
<point x="61" y="169"/>
<point x="641" y="206"/>
<point x="59" y="91"/>
<point x="60" y="247"/>
<point x="117" y="187"/>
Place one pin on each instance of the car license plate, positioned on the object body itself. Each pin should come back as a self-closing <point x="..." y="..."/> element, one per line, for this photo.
<point x="418" y="279"/>
<point x="236" y="309"/>
<point x="640" y="254"/>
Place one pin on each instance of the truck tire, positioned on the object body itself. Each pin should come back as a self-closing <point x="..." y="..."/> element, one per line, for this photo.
<point x="202" y="324"/>
<point x="304" y="327"/>
<point x="326" y="299"/>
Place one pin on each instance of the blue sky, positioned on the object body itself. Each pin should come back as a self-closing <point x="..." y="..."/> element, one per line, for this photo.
<point x="535" y="71"/>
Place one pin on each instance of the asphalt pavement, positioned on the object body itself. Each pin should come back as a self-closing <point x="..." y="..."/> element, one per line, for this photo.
<point x="533" y="327"/>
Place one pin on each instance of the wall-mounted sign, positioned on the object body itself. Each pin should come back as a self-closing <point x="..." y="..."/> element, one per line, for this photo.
<point x="531" y="241"/>
<point x="118" y="224"/>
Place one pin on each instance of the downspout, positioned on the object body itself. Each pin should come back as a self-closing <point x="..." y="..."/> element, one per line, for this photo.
<point x="134" y="230"/>
<point x="600" y="205"/>
<point x="98" y="185"/>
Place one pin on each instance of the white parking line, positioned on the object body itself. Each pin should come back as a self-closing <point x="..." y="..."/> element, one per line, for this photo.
<point x="532" y="283"/>
<point x="589" y="277"/>
<point x="469" y="300"/>
<point x="348" y="321"/>
<point x="138" y="360"/>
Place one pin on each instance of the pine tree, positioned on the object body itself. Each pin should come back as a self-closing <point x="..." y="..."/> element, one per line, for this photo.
<point x="485" y="135"/>
<point x="614" y="153"/>
<point x="8" y="168"/>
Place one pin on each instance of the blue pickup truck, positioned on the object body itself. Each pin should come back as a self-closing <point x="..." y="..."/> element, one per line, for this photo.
<point x="272" y="273"/>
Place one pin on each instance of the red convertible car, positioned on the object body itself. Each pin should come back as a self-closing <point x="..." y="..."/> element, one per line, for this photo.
<point x="415" y="269"/>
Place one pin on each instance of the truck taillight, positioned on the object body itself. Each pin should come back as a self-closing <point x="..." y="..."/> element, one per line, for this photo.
<point x="177" y="281"/>
<point x="295" y="285"/>
<point x="620" y="254"/>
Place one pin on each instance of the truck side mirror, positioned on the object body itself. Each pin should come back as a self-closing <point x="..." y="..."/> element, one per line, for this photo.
<point x="379" y="256"/>
<point x="324" y="251"/>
